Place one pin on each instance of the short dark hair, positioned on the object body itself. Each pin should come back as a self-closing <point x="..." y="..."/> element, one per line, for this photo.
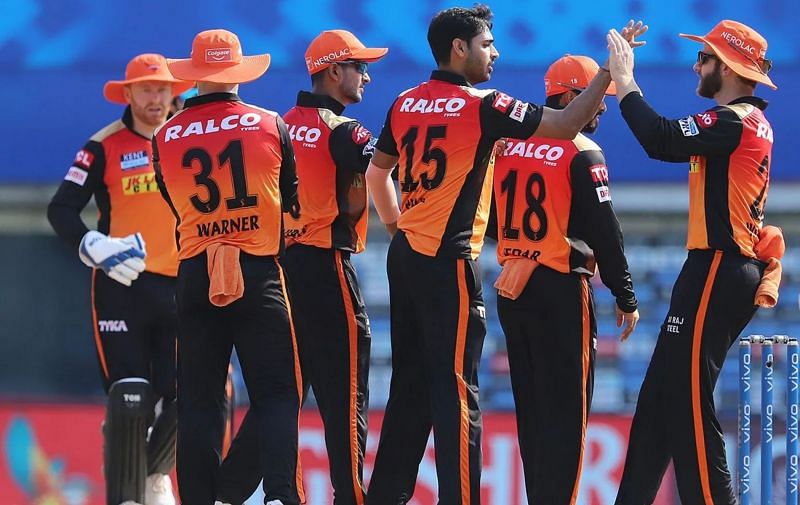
<point x="456" y="23"/>
<point x="554" y="101"/>
<point x="316" y="78"/>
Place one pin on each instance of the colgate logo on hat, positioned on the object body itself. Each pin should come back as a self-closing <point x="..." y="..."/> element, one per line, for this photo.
<point x="153" y="68"/>
<point x="738" y="42"/>
<point x="219" y="55"/>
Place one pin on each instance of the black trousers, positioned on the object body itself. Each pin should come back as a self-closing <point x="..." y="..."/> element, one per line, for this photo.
<point x="550" y="337"/>
<point x="260" y="326"/>
<point x="438" y="325"/>
<point x="135" y="330"/>
<point x="712" y="302"/>
<point x="334" y="343"/>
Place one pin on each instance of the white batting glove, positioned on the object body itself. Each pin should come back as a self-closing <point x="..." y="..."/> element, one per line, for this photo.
<point x="122" y="259"/>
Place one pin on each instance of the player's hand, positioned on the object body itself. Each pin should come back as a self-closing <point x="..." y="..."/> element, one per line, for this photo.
<point x="122" y="259"/>
<point x="620" y="59"/>
<point x="632" y="30"/>
<point x="630" y="319"/>
<point x="500" y="146"/>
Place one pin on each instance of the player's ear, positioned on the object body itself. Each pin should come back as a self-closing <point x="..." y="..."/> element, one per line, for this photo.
<point x="126" y="92"/>
<point x="459" y="47"/>
<point x="567" y="97"/>
<point x="334" y="72"/>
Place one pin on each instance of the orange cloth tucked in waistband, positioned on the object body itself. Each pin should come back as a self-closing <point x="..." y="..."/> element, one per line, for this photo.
<point x="514" y="277"/>
<point x="770" y="248"/>
<point x="226" y="284"/>
<point x="767" y="292"/>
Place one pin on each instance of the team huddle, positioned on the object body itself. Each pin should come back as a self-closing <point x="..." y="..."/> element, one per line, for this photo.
<point x="227" y="225"/>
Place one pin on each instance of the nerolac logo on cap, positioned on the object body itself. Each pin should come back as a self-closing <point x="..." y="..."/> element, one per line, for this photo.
<point x="330" y="57"/>
<point x="735" y="40"/>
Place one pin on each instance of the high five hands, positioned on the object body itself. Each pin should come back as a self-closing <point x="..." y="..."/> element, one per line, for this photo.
<point x="620" y="55"/>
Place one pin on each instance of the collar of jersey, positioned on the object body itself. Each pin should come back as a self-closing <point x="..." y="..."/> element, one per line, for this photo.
<point x="306" y="99"/>
<point x="211" y="97"/>
<point x="451" y="77"/>
<point x="752" y="100"/>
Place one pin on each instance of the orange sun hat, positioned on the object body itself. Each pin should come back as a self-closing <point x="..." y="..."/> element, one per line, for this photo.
<point x="740" y="47"/>
<point x="571" y="73"/>
<point x="331" y="46"/>
<point x="145" y="67"/>
<point x="217" y="57"/>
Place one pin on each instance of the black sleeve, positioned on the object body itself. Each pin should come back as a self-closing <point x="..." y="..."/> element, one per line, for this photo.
<point x="714" y="132"/>
<point x="591" y="207"/>
<point x="288" y="177"/>
<point x="505" y="116"/>
<point x="386" y="141"/>
<point x="352" y="146"/>
<point x="491" y="225"/>
<point x="82" y="179"/>
<point x="162" y="188"/>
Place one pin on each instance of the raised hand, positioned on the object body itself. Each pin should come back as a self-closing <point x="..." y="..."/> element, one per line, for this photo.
<point x="620" y="60"/>
<point x="633" y="30"/>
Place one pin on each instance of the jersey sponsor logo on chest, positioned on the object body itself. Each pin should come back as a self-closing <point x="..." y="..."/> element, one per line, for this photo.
<point x="134" y="159"/>
<point x="550" y="154"/>
<point x="138" y="184"/>
<point x="245" y="122"/>
<point x="449" y="107"/>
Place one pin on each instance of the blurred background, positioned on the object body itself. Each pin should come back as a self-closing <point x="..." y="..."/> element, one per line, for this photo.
<point x="55" y="56"/>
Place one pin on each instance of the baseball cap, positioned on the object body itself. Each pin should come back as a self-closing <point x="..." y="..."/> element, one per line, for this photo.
<point x="144" y="67"/>
<point x="331" y="46"/>
<point x="217" y="57"/>
<point x="740" y="47"/>
<point x="570" y="73"/>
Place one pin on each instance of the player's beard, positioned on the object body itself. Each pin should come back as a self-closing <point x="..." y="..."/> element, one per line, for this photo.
<point x="711" y="83"/>
<point x="148" y="118"/>
<point x="476" y="70"/>
<point x="592" y="126"/>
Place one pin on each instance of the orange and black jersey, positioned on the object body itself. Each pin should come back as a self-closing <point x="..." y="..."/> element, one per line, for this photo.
<point x="443" y="132"/>
<point x="729" y="149"/>
<point x="115" y="166"/>
<point x="552" y="200"/>
<point x="227" y="170"/>
<point x="332" y="153"/>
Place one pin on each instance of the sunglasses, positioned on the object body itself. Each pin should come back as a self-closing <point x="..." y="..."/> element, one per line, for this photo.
<point x="702" y="57"/>
<point x="763" y="66"/>
<point x="360" y="66"/>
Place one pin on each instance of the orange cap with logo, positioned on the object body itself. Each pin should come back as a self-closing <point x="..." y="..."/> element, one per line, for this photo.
<point x="740" y="47"/>
<point x="571" y="73"/>
<point x="331" y="46"/>
<point x="217" y="57"/>
<point x="145" y="67"/>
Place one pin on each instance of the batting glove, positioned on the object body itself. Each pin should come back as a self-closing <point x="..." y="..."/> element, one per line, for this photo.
<point x="122" y="259"/>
